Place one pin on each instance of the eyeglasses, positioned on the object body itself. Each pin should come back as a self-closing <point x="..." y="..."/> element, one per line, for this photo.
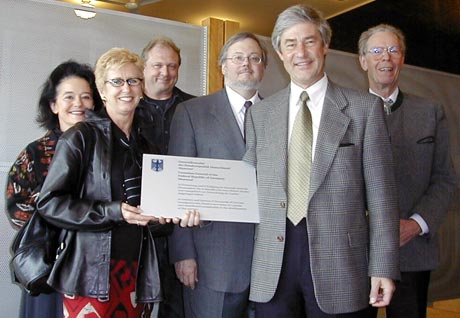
<point x="239" y="59"/>
<point x="378" y="50"/>
<point x="118" y="82"/>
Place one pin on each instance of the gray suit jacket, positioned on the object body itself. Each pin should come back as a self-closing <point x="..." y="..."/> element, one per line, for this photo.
<point x="352" y="173"/>
<point x="206" y="127"/>
<point x="424" y="171"/>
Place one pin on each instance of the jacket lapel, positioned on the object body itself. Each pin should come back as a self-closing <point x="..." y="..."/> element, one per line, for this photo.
<point x="276" y="129"/>
<point x="229" y="131"/>
<point x="333" y="126"/>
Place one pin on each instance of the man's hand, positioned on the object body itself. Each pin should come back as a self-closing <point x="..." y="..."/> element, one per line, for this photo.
<point x="408" y="229"/>
<point x="382" y="290"/>
<point x="187" y="272"/>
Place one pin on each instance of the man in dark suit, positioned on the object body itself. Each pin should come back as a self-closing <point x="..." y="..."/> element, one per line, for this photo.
<point x="424" y="172"/>
<point x="214" y="261"/>
<point x="327" y="242"/>
<point x="155" y="111"/>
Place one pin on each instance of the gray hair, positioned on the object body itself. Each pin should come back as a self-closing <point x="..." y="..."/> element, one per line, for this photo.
<point x="300" y="14"/>
<point x="240" y="37"/>
<point x="362" y="43"/>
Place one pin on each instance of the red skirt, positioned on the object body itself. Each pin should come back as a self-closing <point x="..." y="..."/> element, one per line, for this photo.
<point x="122" y="297"/>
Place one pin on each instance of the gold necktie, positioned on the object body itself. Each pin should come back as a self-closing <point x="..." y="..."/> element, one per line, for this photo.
<point x="299" y="163"/>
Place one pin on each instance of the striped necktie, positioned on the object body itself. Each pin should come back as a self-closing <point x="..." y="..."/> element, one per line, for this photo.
<point x="299" y="162"/>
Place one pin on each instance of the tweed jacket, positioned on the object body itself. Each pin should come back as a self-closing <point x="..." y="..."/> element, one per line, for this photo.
<point x="352" y="218"/>
<point x="425" y="175"/>
<point x="206" y="127"/>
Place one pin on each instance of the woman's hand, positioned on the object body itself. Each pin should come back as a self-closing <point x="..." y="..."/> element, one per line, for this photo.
<point x="133" y="215"/>
<point x="191" y="218"/>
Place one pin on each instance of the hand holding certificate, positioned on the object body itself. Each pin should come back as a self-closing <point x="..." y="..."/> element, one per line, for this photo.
<point x="221" y="190"/>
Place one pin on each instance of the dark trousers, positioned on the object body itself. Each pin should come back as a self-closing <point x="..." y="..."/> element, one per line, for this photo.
<point x="41" y="306"/>
<point x="203" y="302"/>
<point x="172" y="305"/>
<point x="410" y="298"/>
<point x="294" y="297"/>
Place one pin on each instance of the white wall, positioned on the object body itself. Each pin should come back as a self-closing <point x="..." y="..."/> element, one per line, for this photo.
<point x="36" y="36"/>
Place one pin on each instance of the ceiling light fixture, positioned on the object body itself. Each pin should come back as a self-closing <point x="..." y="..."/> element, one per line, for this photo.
<point x="88" y="12"/>
<point x="84" y="14"/>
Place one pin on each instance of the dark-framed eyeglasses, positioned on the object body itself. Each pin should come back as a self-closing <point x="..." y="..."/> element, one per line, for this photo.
<point x="379" y="50"/>
<point x="240" y="58"/>
<point x="118" y="82"/>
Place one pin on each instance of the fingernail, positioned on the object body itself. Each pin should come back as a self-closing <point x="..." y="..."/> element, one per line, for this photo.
<point x="372" y="300"/>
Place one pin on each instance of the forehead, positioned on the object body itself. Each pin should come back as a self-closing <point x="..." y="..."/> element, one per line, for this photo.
<point x="72" y="82"/>
<point x="383" y="39"/>
<point x="244" y="46"/>
<point x="124" y="71"/>
<point x="162" y="52"/>
<point x="300" y="31"/>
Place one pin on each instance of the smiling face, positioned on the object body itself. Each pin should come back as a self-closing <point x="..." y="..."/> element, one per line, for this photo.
<point x="303" y="53"/>
<point x="73" y="98"/>
<point x="244" y="78"/>
<point x="382" y="70"/>
<point x="161" y="72"/>
<point x="122" y="101"/>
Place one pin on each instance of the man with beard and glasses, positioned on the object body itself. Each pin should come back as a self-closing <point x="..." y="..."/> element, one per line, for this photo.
<point x="214" y="261"/>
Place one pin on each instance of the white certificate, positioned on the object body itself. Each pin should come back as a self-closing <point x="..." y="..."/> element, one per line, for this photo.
<point x="221" y="190"/>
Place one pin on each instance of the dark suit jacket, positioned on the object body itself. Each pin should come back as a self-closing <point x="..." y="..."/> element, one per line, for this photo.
<point x="424" y="171"/>
<point x="352" y="173"/>
<point x="206" y="127"/>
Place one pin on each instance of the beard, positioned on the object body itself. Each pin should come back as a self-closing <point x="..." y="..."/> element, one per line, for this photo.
<point x="248" y="84"/>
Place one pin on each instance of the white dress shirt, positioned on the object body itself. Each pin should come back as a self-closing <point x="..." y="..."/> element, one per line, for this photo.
<point x="237" y="102"/>
<point x="317" y="93"/>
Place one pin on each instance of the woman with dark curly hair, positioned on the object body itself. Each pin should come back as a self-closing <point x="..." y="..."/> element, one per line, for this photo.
<point x="68" y="92"/>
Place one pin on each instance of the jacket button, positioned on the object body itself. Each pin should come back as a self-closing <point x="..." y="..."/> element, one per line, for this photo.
<point x="280" y="238"/>
<point x="283" y="204"/>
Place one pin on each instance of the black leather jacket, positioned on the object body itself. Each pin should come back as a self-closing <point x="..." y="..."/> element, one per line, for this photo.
<point x="76" y="196"/>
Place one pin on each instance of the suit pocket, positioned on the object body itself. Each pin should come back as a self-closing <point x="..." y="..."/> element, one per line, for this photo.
<point x="346" y="144"/>
<point x="426" y="140"/>
<point x="357" y="239"/>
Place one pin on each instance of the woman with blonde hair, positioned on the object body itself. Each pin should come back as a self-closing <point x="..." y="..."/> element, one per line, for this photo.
<point x="108" y="267"/>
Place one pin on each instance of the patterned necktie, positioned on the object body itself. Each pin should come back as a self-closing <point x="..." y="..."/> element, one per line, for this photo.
<point x="299" y="163"/>
<point x="246" y="105"/>
<point x="387" y="105"/>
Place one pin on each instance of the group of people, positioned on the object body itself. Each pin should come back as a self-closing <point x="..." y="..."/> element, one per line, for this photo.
<point x="352" y="185"/>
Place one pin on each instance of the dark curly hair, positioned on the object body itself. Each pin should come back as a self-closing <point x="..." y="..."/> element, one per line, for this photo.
<point x="46" y="118"/>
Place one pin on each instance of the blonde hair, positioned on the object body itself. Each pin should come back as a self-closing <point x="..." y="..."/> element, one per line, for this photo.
<point x="115" y="57"/>
<point x="160" y="41"/>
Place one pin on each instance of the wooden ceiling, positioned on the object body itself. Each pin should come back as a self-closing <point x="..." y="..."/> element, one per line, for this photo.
<point x="432" y="27"/>
<point x="257" y="16"/>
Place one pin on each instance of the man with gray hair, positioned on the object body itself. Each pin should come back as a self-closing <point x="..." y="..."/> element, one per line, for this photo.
<point x="214" y="261"/>
<point x="425" y="176"/>
<point x="327" y="242"/>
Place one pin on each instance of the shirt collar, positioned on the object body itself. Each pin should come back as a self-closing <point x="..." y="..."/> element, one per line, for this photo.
<point x="237" y="101"/>
<point x="315" y="91"/>
<point x="393" y="96"/>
